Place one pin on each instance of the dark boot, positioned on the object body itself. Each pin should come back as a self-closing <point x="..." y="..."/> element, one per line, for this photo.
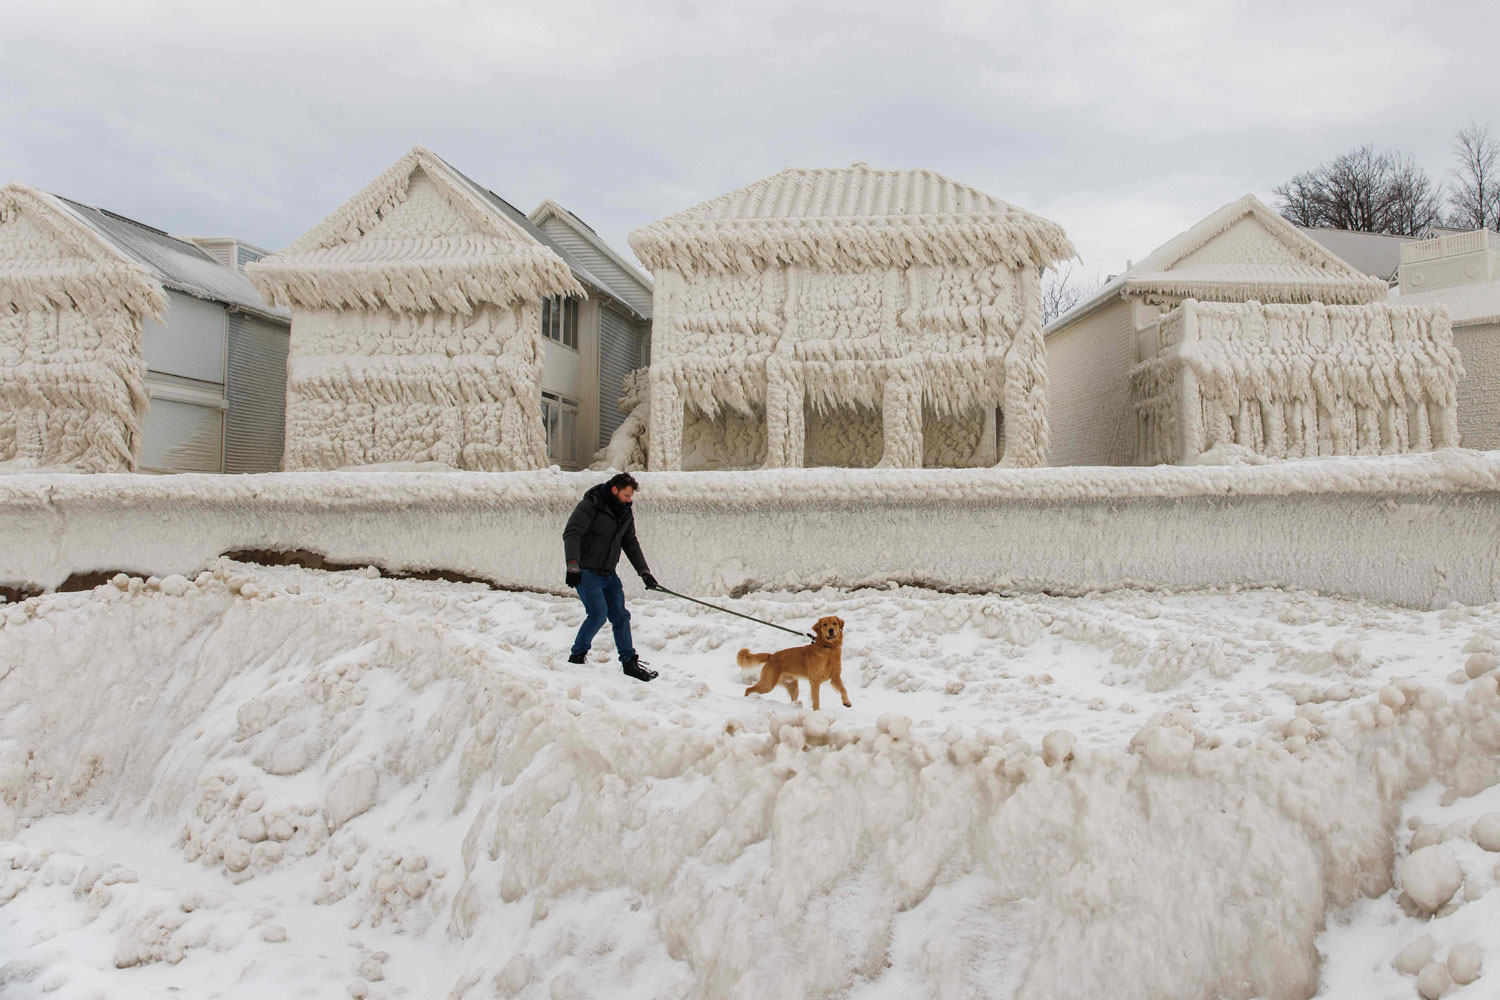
<point x="577" y="657"/>
<point x="634" y="668"/>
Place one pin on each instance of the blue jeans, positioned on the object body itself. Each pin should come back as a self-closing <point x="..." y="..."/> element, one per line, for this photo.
<point x="603" y="598"/>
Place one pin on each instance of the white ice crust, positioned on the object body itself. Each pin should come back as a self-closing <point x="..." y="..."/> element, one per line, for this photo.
<point x="1295" y="381"/>
<point x="1419" y="530"/>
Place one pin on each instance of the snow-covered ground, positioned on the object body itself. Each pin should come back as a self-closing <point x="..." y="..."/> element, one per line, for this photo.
<point x="281" y="782"/>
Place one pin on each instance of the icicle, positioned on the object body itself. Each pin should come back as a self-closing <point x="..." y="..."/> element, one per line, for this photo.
<point x="1348" y="379"/>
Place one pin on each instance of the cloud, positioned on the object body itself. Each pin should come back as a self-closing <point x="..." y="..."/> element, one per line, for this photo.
<point x="1123" y="122"/>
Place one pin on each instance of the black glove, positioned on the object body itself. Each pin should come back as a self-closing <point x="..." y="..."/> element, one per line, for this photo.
<point x="575" y="575"/>
<point x="650" y="581"/>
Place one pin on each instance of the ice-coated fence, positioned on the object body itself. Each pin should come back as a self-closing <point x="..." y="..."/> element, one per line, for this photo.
<point x="1419" y="530"/>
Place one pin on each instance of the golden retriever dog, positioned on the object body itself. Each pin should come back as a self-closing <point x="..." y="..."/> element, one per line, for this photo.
<point x="819" y="661"/>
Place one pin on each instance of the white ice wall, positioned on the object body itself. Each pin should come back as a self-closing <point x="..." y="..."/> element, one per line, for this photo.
<point x="1420" y="530"/>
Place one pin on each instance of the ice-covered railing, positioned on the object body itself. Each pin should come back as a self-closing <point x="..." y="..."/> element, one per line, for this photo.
<point x="1449" y="246"/>
<point x="1169" y="329"/>
<point x="1295" y="381"/>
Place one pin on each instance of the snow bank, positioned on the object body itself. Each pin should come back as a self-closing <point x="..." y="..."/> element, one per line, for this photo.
<point x="1416" y="530"/>
<point x="489" y="824"/>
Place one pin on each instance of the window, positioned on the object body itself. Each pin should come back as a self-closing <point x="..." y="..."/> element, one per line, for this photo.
<point x="560" y="424"/>
<point x="560" y="320"/>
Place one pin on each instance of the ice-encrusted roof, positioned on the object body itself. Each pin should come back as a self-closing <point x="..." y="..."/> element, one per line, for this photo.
<point x="1309" y="271"/>
<point x="462" y="246"/>
<point x="585" y="277"/>
<point x="1468" y="305"/>
<point x="50" y="258"/>
<point x="179" y="264"/>
<point x="166" y="260"/>
<point x="850" y="218"/>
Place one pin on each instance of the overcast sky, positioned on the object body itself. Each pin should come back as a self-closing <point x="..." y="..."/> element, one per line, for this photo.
<point x="1123" y="122"/>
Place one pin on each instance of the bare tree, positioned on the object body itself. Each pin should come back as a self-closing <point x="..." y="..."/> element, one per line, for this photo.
<point x="1063" y="287"/>
<point x="1365" y="191"/>
<point x="1413" y="203"/>
<point x="1299" y="201"/>
<point x="1474" y="199"/>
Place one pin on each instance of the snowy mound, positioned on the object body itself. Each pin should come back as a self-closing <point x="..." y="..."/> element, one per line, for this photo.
<point x="278" y="782"/>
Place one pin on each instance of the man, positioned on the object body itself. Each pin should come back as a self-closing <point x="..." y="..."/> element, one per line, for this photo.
<point x="600" y="528"/>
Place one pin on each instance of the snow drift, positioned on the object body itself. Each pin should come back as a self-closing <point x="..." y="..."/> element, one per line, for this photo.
<point x="394" y="753"/>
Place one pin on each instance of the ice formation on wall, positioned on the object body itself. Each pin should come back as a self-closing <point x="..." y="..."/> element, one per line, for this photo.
<point x="72" y="379"/>
<point x="1293" y="381"/>
<point x="1316" y="524"/>
<point x="415" y="327"/>
<point x="843" y="293"/>
<point x="626" y="447"/>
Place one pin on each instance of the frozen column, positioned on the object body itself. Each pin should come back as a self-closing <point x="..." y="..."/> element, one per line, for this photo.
<point x="664" y="429"/>
<point x="901" y="422"/>
<point x="786" y="414"/>
<point x="1190" y="423"/>
<point x="1024" y="396"/>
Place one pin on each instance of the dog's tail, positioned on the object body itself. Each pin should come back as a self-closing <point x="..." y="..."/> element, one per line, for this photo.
<point x="749" y="661"/>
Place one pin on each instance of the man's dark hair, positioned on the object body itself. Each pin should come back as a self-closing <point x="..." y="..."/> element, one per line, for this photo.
<point x="621" y="480"/>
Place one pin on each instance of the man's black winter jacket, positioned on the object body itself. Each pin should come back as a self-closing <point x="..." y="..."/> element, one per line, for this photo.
<point x="599" y="529"/>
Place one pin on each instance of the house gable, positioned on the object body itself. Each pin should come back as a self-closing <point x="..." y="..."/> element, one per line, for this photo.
<point x="1245" y="231"/>
<point x="426" y="211"/>
<point x="419" y="196"/>
<point x="1246" y="252"/>
<point x="50" y="259"/>
<point x="1246" y="241"/>
<point x="419" y="236"/>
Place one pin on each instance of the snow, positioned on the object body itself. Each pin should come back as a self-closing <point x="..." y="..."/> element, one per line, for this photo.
<point x="279" y="781"/>
<point x="1431" y="876"/>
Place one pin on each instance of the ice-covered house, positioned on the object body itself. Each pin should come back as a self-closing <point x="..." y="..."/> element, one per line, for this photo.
<point x="848" y="316"/>
<point x="1243" y="332"/>
<point x="123" y="348"/>
<point x="1461" y="273"/>
<point x="432" y="321"/>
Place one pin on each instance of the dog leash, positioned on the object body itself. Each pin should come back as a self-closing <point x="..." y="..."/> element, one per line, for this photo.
<point x="759" y="621"/>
